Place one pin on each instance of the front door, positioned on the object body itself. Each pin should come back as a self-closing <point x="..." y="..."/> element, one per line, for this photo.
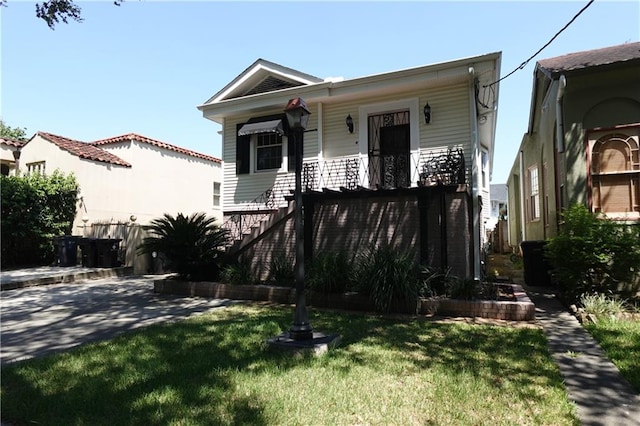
<point x="389" y="153"/>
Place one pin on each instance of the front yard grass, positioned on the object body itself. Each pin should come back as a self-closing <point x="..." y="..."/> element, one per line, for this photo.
<point x="620" y="339"/>
<point x="217" y="369"/>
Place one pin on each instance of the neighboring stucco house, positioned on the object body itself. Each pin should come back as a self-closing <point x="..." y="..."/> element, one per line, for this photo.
<point x="9" y="155"/>
<point x="129" y="175"/>
<point x="582" y="142"/>
<point x="126" y="181"/>
<point x="401" y="158"/>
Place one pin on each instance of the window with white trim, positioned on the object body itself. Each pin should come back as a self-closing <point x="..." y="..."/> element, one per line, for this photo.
<point x="615" y="175"/>
<point x="533" y="193"/>
<point x="484" y="156"/>
<point x="37" y="167"/>
<point x="268" y="151"/>
<point x="216" y="194"/>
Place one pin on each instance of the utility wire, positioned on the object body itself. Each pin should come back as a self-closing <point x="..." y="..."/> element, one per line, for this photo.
<point x="524" y="64"/>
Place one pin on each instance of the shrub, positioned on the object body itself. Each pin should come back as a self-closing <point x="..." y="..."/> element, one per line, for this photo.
<point x="434" y="281"/>
<point x="35" y="208"/>
<point x="389" y="277"/>
<point x="593" y="254"/>
<point x="237" y="274"/>
<point x="600" y="305"/>
<point x="193" y="245"/>
<point x="281" y="271"/>
<point x="463" y="288"/>
<point x="331" y="272"/>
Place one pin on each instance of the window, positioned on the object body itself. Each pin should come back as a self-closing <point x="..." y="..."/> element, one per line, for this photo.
<point x="216" y="194"/>
<point x="615" y="175"/>
<point x="485" y="168"/>
<point x="36" y="168"/>
<point x="268" y="151"/>
<point x="534" y="194"/>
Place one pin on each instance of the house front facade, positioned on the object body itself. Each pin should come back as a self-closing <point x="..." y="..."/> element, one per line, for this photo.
<point x="373" y="152"/>
<point x="582" y="144"/>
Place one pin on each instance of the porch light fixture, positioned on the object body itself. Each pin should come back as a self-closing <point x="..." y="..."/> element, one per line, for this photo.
<point x="350" y="123"/>
<point x="427" y="113"/>
<point x="298" y="118"/>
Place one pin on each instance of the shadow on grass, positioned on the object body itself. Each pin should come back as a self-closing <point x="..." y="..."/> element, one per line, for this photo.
<point x="186" y="372"/>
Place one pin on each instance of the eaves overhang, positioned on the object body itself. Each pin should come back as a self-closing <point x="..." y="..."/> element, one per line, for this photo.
<point x="339" y="91"/>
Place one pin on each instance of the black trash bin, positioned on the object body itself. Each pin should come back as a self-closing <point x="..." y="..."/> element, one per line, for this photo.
<point x="537" y="271"/>
<point x="66" y="250"/>
<point x="107" y="252"/>
<point x="89" y="253"/>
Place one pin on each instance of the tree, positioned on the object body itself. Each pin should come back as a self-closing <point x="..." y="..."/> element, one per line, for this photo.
<point x="15" y="133"/>
<point x="54" y="11"/>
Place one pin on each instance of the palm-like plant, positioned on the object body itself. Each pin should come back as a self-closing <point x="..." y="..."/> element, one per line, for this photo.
<point x="193" y="245"/>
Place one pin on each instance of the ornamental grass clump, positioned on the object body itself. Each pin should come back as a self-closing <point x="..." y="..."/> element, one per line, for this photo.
<point x="331" y="272"/>
<point x="601" y="306"/>
<point x="389" y="277"/>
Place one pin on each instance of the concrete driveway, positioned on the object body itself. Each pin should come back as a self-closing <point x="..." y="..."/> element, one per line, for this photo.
<point x="39" y="320"/>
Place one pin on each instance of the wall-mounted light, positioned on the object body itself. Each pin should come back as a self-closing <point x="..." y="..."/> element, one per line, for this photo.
<point x="427" y="113"/>
<point x="349" y="123"/>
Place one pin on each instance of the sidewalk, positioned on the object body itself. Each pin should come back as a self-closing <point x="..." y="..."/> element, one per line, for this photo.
<point x="45" y="275"/>
<point x="602" y="396"/>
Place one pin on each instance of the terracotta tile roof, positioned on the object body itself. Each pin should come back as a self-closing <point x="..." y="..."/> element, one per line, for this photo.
<point x="83" y="149"/>
<point x="591" y="58"/>
<point x="12" y="142"/>
<point x="157" y="143"/>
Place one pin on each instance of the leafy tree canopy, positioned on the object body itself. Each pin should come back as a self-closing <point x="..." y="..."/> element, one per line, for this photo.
<point x="54" y="11"/>
<point x="16" y="133"/>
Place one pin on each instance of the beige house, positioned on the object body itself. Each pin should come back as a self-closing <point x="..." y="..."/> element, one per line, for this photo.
<point x="401" y="158"/>
<point x="9" y="155"/>
<point x="582" y="144"/>
<point x="127" y="180"/>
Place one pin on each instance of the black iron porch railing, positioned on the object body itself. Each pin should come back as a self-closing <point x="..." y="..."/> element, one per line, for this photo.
<point x="431" y="168"/>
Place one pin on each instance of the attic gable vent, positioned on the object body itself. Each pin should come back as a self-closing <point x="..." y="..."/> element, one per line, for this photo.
<point x="270" y="84"/>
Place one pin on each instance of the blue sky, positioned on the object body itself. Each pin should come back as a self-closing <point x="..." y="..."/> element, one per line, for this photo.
<point x="143" y="67"/>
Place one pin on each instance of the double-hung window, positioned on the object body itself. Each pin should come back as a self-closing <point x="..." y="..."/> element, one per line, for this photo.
<point x="534" y="193"/>
<point x="268" y="151"/>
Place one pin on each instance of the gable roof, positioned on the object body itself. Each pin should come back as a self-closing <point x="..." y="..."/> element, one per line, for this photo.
<point x="263" y="76"/>
<point x="589" y="58"/>
<point x="133" y="136"/>
<point x="83" y="149"/>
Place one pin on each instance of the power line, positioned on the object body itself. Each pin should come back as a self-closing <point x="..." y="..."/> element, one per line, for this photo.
<point x="524" y="64"/>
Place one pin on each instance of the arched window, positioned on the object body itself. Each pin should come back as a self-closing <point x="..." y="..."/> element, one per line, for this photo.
<point x="615" y="176"/>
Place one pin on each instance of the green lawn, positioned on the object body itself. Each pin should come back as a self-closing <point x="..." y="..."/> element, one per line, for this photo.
<point x="620" y="339"/>
<point x="217" y="369"/>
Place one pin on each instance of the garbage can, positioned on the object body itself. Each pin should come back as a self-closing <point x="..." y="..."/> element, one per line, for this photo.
<point x="89" y="254"/>
<point x="66" y="250"/>
<point x="536" y="267"/>
<point x="107" y="252"/>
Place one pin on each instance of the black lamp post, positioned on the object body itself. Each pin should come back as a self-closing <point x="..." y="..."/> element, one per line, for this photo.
<point x="298" y="118"/>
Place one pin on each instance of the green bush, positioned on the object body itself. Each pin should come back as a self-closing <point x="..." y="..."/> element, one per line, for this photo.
<point x="600" y="305"/>
<point x="281" y="271"/>
<point x="434" y="281"/>
<point x="237" y="274"/>
<point x="331" y="272"/>
<point x="593" y="254"/>
<point x="193" y="245"/>
<point x="35" y="208"/>
<point x="389" y="277"/>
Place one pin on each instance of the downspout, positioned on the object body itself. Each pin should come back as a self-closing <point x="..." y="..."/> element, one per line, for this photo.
<point x="475" y="191"/>
<point x="562" y="84"/>
<point x="523" y="228"/>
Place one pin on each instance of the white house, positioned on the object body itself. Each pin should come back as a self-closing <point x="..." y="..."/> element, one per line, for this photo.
<point x="417" y="144"/>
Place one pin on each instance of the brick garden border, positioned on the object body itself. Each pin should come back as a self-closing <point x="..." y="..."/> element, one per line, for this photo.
<point x="520" y="310"/>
